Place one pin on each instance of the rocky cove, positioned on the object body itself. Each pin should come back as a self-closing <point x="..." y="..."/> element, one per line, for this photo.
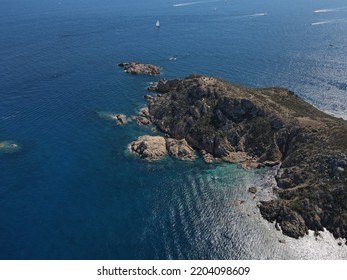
<point x="256" y="128"/>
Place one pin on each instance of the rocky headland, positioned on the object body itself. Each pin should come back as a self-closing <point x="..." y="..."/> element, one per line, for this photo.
<point x="137" y="68"/>
<point x="256" y="128"/>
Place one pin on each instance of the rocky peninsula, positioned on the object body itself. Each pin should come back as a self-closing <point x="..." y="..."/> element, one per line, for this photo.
<point x="256" y="128"/>
<point x="137" y="68"/>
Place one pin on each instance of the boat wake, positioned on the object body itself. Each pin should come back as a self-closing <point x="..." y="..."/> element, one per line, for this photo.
<point x="195" y="3"/>
<point x="257" y="15"/>
<point x="244" y="16"/>
<point x="329" y="21"/>
<point x="331" y="10"/>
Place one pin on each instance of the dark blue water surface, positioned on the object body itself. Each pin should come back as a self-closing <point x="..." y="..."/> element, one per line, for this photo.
<point x="73" y="192"/>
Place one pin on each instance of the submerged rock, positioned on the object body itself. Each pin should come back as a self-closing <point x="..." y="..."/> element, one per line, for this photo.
<point x="9" y="147"/>
<point x="149" y="147"/>
<point x="140" y="68"/>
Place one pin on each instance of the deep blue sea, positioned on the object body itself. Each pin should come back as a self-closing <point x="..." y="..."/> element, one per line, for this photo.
<point x="73" y="192"/>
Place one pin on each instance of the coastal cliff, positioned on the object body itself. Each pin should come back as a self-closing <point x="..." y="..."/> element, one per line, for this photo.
<point x="264" y="127"/>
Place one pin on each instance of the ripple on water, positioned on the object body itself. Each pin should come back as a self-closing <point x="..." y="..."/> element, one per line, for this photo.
<point x="219" y="219"/>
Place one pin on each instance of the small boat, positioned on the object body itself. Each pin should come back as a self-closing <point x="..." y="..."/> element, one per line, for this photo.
<point x="157" y="24"/>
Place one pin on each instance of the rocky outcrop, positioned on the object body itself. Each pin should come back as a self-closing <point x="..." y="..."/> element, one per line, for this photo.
<point x="265" y="127"/>
<point x="142" y="120"/>
<point x="144" y="112"/>
<point x="164" y="85"/>
<point x="120" y="119"/>
<point x="139" y="68"/>
<point x="290" y="222"/>
<point x="154" y="148"/>
<point x="180" y="149"/>
<point x="207" y="157"/>
<point x="149" y="147"/>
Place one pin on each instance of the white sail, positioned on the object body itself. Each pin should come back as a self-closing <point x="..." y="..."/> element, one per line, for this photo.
<point x="157" y="24"/>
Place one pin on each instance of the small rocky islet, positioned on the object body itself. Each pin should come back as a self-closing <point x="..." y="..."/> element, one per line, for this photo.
<point x="256" y="128"/>
<point x="9" y="147"/>
<point x="137" y="68"/>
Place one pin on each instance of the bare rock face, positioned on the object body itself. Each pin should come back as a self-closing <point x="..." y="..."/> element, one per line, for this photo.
<point x="139" y="68"/>
<point x="164" y="85"/>
<point x="180" y="149"/>
<point x="207" y="157"/>
<point x="291" y="223"/>
<point x="142" y="120"/>
<point x="236" y="157"/>
<point x="149" y="147"/>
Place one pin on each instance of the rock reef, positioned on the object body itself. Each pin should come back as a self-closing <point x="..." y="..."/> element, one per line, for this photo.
<point x="137" y="68"/>
<point x="264" y="127"/>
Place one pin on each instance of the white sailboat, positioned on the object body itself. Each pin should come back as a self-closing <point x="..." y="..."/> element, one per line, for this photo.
<point x="157" y="24"/>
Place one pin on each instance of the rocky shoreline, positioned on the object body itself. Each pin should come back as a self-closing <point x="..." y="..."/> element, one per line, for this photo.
<point x="264" y="127"/>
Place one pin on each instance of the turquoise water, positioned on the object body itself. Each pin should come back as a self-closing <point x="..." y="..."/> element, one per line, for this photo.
<point x="72" y="192"/>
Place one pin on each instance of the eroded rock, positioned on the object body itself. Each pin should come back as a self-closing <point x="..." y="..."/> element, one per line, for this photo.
<point x="180" y="149"/>
<point x="151" y="148"/>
